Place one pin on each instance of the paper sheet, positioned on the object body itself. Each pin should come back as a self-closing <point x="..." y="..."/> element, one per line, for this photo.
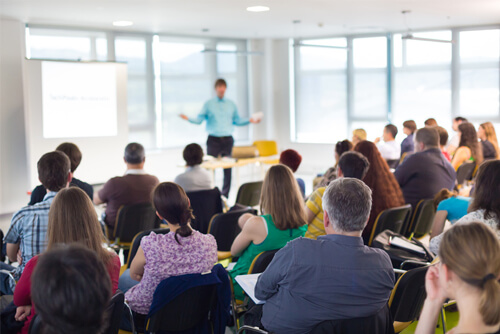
<point x="247" y="283"/>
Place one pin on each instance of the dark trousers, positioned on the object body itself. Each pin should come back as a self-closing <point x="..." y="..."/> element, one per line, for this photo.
<point x="222" y="146"/>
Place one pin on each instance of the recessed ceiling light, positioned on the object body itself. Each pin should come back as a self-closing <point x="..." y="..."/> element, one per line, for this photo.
<point x="123" y="23"/>
<point x="257" y="9"/>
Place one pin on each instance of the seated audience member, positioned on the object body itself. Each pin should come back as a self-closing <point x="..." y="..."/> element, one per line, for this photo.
<point x="331" y="174"/>
<point x="334" y="277"/>
<point x="66" y="227"/>
<point x="485" y="205"/>
<point x="455" y="140"/>
<point x="194" y="178"/>
<point x="385" y="188"/>
<point x="133" y="188"/>
<point x="71" y="290"/>
<point x="469" y="148"/>
<point x="358" y="135"/>
<point x="182" y="251"/>
<point x="351" y="164"/>
<point x="389" y="148"/>
<point x="449" y="206"/>
<point x="468" y="273"/>
<point x="427" y="171"/>
<point x="409" y="128"/>
<point x="292" y="160"/>
<point x="283" y="219"/>
<point x="75" y="157"/>
<point x="27" y="233"/>
<point x="443" y="139"/>
<point x="486" y="132"/>
<point x="430" y="122"/>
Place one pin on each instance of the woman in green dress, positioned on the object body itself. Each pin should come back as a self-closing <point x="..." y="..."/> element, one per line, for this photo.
<point x="283" y="219"/>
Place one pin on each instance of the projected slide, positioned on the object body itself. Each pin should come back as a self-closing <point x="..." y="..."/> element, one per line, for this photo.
<point x="78" y="100"/>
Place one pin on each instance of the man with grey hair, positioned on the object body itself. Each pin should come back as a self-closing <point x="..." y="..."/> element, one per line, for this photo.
<point x="333" y="277"/>
<point x="134" y="187"/>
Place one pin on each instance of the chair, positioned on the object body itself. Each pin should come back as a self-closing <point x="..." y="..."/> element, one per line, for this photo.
<point x="393" y="219"/>
<point x="205" y="204"/>
<point x="114" y="309"/>
<point x="422" y="219"/>
<point x="407" y="298"/>
<point x="132" y="219"/>
<point x="464" y="173"/>
<point x="136" y="242"/>
<point x="224" y="227"/>
<point x="379" y="323"/>
<point x="185" y="311"/>
<point x="266" y="148"/>
<point x="262" y="261"/>
<point x="249" y="194"/>
<point x="393" y="163"/>
<point x="2" y="254"/>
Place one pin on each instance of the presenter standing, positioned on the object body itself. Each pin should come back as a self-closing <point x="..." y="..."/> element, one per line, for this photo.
<point x="221" y="115"/>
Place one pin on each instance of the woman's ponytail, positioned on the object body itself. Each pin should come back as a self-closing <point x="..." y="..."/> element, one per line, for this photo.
<point x="172" y="203"/>
<point x="489" y="306"/>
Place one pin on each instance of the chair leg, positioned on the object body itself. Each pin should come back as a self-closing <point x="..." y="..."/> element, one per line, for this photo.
<point x="131" y="317"/>
<point x="443" y="320"/>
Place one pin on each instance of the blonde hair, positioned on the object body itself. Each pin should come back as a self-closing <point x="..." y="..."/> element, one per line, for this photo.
<point x="360" y="133"/>
<point x="73" y="219"/>
<point x="472" y="252"/>
<point x="281" y="198"/>
<point x="491" y="136"/>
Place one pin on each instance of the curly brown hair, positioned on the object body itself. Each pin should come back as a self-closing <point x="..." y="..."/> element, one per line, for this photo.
<point x="385" y="188"/>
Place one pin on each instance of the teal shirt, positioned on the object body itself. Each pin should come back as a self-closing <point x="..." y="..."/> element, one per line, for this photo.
<point x="221" y="116"/>
<point x="276" y="239"/>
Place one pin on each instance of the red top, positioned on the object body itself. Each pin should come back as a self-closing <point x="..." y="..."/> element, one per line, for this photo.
<point x="22" y="293"/>
<point x="446" y="155"/>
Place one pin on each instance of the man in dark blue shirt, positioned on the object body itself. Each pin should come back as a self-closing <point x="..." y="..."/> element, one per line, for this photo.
<point x="333" y="277"/>
<point x="424" y="173"/>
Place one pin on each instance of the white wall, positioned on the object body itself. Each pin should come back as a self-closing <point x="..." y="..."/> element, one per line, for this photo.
<point x="13" y="161"/>
<point x="269" y="92"/>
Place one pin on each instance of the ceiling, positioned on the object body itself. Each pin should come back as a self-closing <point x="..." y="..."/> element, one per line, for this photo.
<point x="229" y="18"/>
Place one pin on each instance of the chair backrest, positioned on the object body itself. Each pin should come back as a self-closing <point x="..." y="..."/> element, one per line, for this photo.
<point x="391" y="219"/>
<point x="408" y="295"/>
<point x="261" y="261"/>
<point x="2" y="254"/>
<point x="249" y="194"/>
<point x="135" y="218"/>
<point x="422" y="219"/>
<point x="266" y="148"/>
<point x="205" y="204"/>
<point x="465" y="172"/>
<point x="379" y="323"/>
<point x="185" y="311"/>
<point x="136" y="242"/>
<point x="224" y="227"/>
<point x="393" y="163"/>
<point x="115" y="312"/>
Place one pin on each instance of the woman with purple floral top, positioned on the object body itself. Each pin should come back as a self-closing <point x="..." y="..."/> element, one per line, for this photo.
<point x="182" y="251"/>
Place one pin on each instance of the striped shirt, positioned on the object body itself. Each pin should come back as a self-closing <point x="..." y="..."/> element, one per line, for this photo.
<point x="315" y="204"/>
<point x="28" y="228"/>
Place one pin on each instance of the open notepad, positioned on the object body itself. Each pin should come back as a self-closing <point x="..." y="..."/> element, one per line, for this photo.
<point x="401" y="243"/>
<point x="247" y="283"/>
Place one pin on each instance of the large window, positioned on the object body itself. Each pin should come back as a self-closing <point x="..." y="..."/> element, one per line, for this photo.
<point x="479" y="73"/>
<point x="422" y="79"/>
<point x="381" y="79"/>
<point x="321" y="84"/>
<point x="167" y="76"/>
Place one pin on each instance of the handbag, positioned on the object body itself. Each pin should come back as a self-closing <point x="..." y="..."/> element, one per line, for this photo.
<point x="400" y="255"/>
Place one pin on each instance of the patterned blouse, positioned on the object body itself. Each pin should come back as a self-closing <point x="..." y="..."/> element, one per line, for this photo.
<point x="474" y="216"/>
<point x="196" y="254"/>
